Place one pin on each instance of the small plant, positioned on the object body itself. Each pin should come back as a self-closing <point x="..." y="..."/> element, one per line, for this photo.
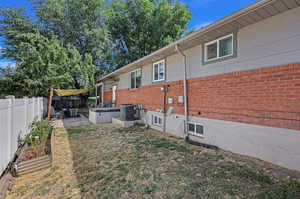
<point x="148" y="189"/>
<point x="21" y="140"/>
<point x="74" y="131"/>
<point x="40" y="131"/>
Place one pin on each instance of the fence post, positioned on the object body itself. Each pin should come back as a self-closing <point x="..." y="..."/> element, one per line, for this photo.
<point x="12" y="152"/>
<point x="37" y="108"/>
<point x="50" y="103"/>
<point x="11" y="125"/>
<point x="26" y="113"/>
<point x="40" y="108"/>
<point x="33" y="108"/>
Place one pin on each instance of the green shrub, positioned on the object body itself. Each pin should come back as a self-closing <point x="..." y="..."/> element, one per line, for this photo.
<point x="40" y="130"/>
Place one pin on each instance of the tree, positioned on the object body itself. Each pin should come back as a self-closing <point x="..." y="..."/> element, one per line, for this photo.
<point x="139" y="27"/>
<point x="6" y="70"/>
<point x="42" y="62"/>
<point x="79" y="23"/>
<point x="4" y="83"/>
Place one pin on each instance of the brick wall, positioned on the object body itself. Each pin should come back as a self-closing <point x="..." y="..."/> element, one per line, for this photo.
<point x="268" y="96"/>
<point x="107" y="97"/>
<point x="149" y="96"/>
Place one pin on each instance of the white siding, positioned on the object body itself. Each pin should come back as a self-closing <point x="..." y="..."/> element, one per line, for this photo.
<point x="271" y="42"/>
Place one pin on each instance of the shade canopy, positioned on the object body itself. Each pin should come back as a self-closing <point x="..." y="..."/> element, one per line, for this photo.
<point x="70" y="92"/>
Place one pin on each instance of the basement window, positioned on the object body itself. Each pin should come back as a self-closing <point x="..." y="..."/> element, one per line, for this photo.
<point x="156" y="120"/>
<point x="196" y="129"/>
<point x="136" y="79"/>
<point x="220" y="48"/>
<point x="159" y="71"/>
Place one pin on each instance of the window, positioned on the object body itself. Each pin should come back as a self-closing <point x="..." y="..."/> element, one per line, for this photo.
<point x="159" y="71"/>
<point x="220" y="48"/>
<point x="196" y="129"/>
<point x="136" y="79"/>
<point x="156" y="120"/>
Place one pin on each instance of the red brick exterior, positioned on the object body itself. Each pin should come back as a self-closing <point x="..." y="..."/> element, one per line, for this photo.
<point x="107" y="96"/>
<point x="267" y="96"/>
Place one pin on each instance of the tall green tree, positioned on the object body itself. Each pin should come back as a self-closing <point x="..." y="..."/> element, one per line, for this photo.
<point x="79" y="23"/>
<point x="42" y="62"/>
<point x="139" y="27"/>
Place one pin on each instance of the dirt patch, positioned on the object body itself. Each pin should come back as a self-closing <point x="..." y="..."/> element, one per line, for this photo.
<point x="105" y="161"/>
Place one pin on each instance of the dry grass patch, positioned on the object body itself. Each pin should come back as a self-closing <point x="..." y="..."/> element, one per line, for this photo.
<point x="133" y="162"/>
<point x="105" y="161"/>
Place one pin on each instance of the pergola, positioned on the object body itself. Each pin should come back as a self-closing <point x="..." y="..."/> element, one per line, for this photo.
<point x="62" y="93"/>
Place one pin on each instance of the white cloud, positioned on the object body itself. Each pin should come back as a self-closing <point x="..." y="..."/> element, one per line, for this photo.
<point x="1" y="49"/>
<point x="4" y="64"/>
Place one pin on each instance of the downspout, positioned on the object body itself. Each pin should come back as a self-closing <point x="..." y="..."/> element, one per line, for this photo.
<point x="164" y="107"/>
<point x="96" y="93"/>
<point x="102" y="94"/>
<point x="184" y="92"/>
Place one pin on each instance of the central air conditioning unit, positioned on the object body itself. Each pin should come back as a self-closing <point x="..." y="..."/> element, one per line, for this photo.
<point x="129" y="112"/>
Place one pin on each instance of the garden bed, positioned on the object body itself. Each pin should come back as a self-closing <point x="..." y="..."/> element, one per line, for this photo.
<point x="36" y="153"/>
<point x="42" y="149"/>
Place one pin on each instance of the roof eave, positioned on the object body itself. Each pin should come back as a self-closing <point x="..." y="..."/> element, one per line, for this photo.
<point x="200" y="33"/>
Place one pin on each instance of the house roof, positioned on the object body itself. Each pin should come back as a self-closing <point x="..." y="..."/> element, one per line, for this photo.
<point x="251" y="14"/>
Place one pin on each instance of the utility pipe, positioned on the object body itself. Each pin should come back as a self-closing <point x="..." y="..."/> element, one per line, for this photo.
<point x="102" y="94"/>
<point x="96" y="93"/>
<point x="184" y="92"/>
<point x="164" y="107"/>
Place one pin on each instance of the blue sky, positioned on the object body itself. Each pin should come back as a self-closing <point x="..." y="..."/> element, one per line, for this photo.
<point x="204" y="11"/>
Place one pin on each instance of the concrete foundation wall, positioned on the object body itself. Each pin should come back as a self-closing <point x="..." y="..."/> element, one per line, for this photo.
<point x="275" y="145"/>
<point x="147" y="119"/>
<point x="102" y="117"/>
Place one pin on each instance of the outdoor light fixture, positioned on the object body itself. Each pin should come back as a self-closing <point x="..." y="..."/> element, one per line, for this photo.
<point x="164" y="88"/>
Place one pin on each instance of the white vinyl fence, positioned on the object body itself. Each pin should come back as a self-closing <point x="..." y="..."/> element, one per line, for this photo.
<point x="16" y="115"/>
